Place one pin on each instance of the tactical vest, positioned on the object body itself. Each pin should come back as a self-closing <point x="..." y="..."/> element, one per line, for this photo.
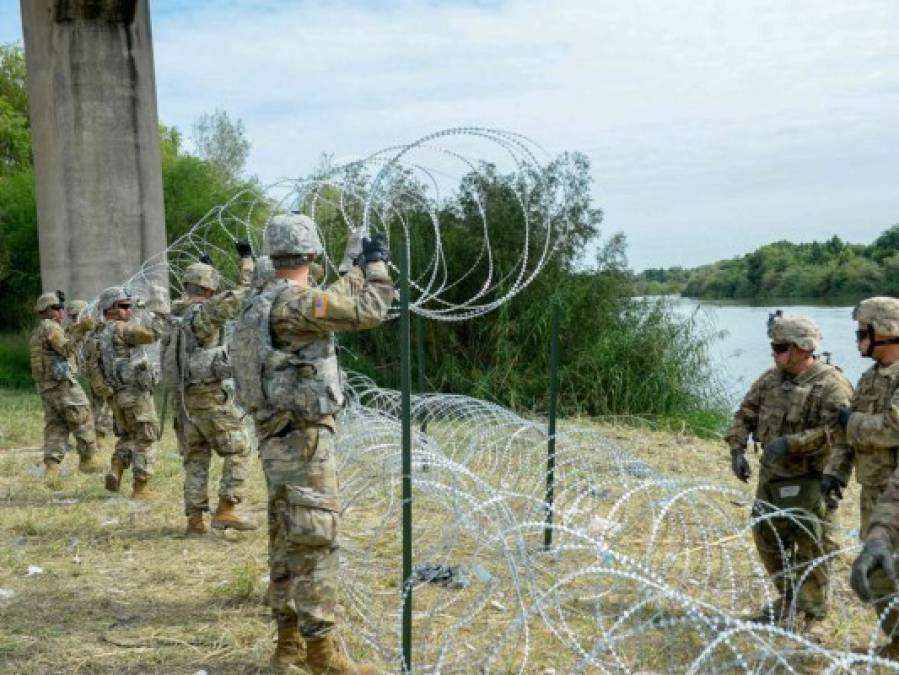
<point x="48" y="366"/>
<point x="268" y="380"/>
<point x="133" y="370"/>
<point x="875" y="464"/>
<point x="185" y="362"/>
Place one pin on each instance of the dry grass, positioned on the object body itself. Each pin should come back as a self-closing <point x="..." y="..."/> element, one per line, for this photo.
<point x="123" y="592"/>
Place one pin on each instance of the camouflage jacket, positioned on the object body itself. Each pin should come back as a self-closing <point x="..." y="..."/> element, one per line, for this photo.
<point x="801" y="408"/>
<point x="871" y="440"/>
<point x="302" y="314"/>
<point x="124" y="337"/>
<point x="206" y="322"/>
<point x="53" y="353"/>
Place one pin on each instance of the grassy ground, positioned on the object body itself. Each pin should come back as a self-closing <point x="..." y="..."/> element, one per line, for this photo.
<point x="121" y="591"/>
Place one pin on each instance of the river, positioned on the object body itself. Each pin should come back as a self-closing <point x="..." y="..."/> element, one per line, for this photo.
<point x="740" y="350"/>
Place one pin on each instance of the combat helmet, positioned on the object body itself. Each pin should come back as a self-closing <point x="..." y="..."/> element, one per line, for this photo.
<point x="48" y="300"/>
<point x="798" y="330"/>
<point x="289" y="238"/>
<point x="75" y="307"/>
<point x="880" y="315"/>
<point x="111" y="296"/>
<point x="202" y="275"/>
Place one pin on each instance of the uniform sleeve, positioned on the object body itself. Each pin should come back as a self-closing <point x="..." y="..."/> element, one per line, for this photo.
<point x="885" y="517"/>
<point x="135" y="334"/>
<point x="57" y="339"/>
<point x="842" y="456"/>
<point x="746" y="418"/>
<point x="835" y="395"/>
<point x="357" y="301"/>
<point x="875" y="430"/>
<point x="224" y="306"/>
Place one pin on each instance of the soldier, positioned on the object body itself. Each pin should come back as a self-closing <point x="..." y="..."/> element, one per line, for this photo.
<point x="792" y="411"/>
<point x="206" y="417"/>
<point x="287" y="376"/>
<point x="53" y="369"/>
<point x="101" y="413"/>
<point x="122" y="372"/>
<point x="871" y="444"/>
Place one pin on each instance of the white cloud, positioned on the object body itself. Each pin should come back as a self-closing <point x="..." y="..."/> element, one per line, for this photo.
<point x="713" y="126"/>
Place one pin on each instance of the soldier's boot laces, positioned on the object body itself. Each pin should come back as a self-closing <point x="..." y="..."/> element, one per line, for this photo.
<point x="289" y="651"/>
<point x="226" y="516"/>
<point x="196" y="527"/>
<point x="51" y="473"/>
<point x="141" y="490"/>
<point x="90" y="464"/>
<point x="324" y="658"/>
<point x="114" y="476"/>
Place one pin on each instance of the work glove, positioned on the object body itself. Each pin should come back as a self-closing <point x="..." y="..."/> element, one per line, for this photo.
<point x="776" y="449"/>
<point x="243" y="248"/>
<point x="352" y="252"/>
<point x="373" y="250"/>
<point x="876" y="553"/>
<point x="843" y="416"/>
<point x="205" y="259"/>
<point x="739" y="465"/>
<point x="832" y="489"/>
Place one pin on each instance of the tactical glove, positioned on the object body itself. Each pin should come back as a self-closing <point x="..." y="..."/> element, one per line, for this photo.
<point x="205" y="259"/>
<point x="777" y="448"/>
<point x="832" y="489"/>
<point x="843" y="416"/>
<point x="876" y="553"/>
<point x="374" y="250"/>
<point x="352" y="252"/>
<point x="739" y="465"/>
<point x="243" y="248"/>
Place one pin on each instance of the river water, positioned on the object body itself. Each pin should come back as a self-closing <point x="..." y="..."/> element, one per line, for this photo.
<point x="740" y="350"/>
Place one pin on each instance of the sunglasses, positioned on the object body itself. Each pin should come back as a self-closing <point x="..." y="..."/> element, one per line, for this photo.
<point x="57" y="306"/>
<point x="780" y="347"/>
<point x="861" y="334"/>
<point x="123" y="305"/>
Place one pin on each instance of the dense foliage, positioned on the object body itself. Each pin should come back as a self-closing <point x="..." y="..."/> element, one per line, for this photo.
<point x="832" y="269"/>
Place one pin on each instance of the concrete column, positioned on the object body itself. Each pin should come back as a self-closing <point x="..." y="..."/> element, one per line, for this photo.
<point x="95" y="136"/>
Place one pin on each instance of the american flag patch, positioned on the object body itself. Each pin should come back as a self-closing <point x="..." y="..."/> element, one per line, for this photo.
<point x="321" y="307"/>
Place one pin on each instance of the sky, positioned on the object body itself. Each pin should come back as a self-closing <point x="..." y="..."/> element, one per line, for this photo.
<point x="712" y="126"/>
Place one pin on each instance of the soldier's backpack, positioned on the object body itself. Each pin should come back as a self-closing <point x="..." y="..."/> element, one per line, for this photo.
<point x="268" y="380"/>
<point x="93" y="366"/>
<point x="185" y="362"/>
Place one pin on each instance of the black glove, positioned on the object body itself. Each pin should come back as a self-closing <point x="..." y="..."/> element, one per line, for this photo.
<point x="373" y="250"/>
<point x="205" y="259"/>
<point x="832" y="489"/>
<point x="777" y="448"/>
<point x="876" y="553"/>
<point x="843" y="416"/>
<point x="739" y="465"/>
<point x="243" y="248"/>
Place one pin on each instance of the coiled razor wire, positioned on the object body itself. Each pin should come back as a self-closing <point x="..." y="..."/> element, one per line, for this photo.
<point x="648" y="573"/>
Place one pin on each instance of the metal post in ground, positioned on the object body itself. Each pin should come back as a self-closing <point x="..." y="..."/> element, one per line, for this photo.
<point x="551" y="432"/>
<point x="406" y="417"/>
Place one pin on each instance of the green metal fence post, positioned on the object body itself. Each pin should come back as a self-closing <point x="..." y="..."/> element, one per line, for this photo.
<point x="551" y="432"/>
<point x="406" y="402"/>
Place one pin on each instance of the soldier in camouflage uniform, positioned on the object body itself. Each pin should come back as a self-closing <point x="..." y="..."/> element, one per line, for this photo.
<point x="102" y="414"/>
<point x="871" y="444"/>
<point x="286" y="373"/>
<point x="122" y="373"/>
<point x="53" y="369"/>
<point x="792" y="411"/>
<point x="207" y="418"/>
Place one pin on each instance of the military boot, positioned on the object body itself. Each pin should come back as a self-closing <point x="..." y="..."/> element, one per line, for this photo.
<point x="114" y="477"/>
<point x="289" y="651"/>
<point x="775" y="613"/>
<point x="324" y="657"/>
<point x="90" y="464"/>
<point x="226" y="516"/>
<point x="51" y="473"/>
<point x="141" y="490"/>
<point x="196" y="527"/>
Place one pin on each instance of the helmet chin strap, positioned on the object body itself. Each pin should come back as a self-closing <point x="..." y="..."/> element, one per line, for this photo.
<point x="873" y="344"/>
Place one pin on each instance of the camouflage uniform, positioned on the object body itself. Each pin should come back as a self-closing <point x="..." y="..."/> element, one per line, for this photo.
<point x="131" y="390"/>
<point x="209" y="418"/>
<point x="871" y="445"/>
<point x="100" y="410"/>
<point x="53" y="369"/>
<point x="803" y="409"/>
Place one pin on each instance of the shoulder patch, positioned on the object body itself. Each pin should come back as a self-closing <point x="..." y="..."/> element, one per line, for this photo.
<point x="320" y="307"/>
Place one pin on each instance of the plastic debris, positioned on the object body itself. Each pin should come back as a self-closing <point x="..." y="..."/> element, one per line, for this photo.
<point x="34" y="570"/>
<point x="448" y="576"/>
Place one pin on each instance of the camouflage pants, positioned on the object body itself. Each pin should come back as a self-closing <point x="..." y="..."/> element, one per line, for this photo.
<point x="881" y="586"/>
<point x="789" y="546"/>
<point x="137" y="428"/>
<point x="66" y="412"/>
<point x="303" y="514"/>
<point x="103" y="423"/>
<point x="218" y="428"/>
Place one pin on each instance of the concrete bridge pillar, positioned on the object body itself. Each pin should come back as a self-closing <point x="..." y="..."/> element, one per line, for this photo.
<point x="95" y="137"/>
